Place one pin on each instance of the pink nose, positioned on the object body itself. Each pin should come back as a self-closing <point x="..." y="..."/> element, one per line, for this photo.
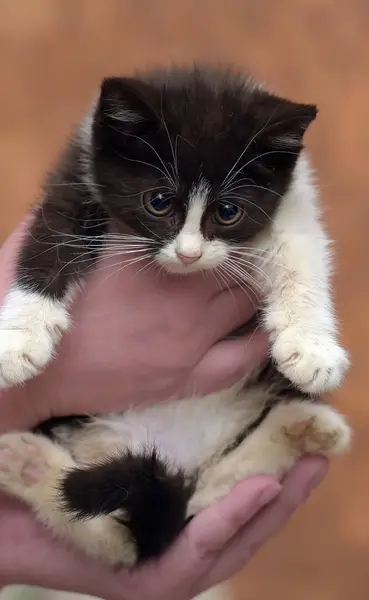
<point x="187" y="259"/>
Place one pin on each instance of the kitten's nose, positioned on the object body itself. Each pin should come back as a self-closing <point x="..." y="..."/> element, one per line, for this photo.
<point x="187" y="259"/>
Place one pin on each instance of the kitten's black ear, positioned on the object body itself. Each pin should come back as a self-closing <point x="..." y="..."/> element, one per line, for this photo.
<point x="284" y="123"/>
<point x="125" y="106"/>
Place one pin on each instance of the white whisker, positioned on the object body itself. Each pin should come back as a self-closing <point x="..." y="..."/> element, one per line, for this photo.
<point x="245" y="276"/>
<point x="223" y="280"/>
<point x="125" y="264"/>
<point x="252" y="267"/>
<point x="70" y="184"/>
<point x="166" y="173"/>
<point x="257" y="158"/>
<point x="175" y="164"/>
<point x="240" y="282"/>
<point x="162" y="187"/>
<point x="142" y="162"/>
<point x="258" y="187"/>
<point x="248" y="201"/>
<point x="229" y="177"/>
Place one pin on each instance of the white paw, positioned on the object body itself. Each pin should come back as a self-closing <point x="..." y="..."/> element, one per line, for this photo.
<point x="313" y="366"/>
<point x="24" y="352"/>
<point x="30" y="327"/>
<point x="317" y="429"/>
<point x="23" y="461"/>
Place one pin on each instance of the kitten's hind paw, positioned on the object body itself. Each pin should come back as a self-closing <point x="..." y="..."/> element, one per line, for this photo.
<point x="315" y="366"/>
<point x="321" y="430"/>
<point x="25" y="461"/>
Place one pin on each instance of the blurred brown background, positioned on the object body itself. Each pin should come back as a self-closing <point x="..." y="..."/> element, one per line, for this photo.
<point x="52" y="55"/>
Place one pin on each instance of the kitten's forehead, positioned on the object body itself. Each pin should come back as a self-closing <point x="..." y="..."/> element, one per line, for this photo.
<point x="207" y="119"/>
<point x="198" y="199"/>
<point x="209" y="125"/>
<point x="199" y="193"/>
<point x="195" y="132"/>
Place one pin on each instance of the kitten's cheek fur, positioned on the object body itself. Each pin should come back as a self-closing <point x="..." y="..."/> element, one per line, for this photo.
<point x="30" y="326"/>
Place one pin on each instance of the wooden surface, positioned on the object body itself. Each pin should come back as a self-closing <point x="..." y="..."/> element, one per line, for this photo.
<point x="52" y="54"/>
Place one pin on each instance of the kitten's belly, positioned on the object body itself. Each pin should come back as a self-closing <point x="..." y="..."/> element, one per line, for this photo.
<point x="187" y="432"/>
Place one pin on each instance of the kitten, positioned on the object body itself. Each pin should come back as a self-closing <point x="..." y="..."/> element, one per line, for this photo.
<point x="200" y="169"/>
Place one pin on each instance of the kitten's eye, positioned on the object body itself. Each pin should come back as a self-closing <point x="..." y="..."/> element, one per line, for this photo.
<point x="228" y="213"/>
<point x="157" y="203"/>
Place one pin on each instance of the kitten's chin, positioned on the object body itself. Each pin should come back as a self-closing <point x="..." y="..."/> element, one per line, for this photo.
<point x="181" y="269"/>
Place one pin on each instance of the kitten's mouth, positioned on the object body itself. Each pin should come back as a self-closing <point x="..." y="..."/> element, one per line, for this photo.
<point x="212" y="256"/>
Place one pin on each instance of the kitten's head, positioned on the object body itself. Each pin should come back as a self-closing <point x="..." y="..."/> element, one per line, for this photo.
<point x="197" y="160"/>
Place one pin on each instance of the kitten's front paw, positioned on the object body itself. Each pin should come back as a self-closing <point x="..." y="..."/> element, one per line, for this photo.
<point x="313" y="366"/>
<point x="24" y="352"/>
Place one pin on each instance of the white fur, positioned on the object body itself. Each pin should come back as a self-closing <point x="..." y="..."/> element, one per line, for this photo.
<point x="30" y="325"/>
<point x="288" y="432"/>
<point x="185" y="432"/>
<point x="298" y="310"/>
<point x="85" y="139"/>
<point x="190" y="240"/>
<point x="293" y="253"/>
<point x="194" y="433"/>
<point x="190" y="434"/>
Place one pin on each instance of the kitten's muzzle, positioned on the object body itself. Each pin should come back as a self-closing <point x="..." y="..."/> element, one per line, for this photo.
<point x="188" y="259"/>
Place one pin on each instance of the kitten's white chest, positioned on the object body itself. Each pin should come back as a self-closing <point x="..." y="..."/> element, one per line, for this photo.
<point x="185" y="432"/>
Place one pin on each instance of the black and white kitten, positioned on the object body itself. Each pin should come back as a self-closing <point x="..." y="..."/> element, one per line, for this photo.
<point x="199" y="169"/>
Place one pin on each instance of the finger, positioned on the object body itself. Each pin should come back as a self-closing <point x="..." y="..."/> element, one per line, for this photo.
<point x="209" y="531"/>
<point x="32" y="557"/>
<point x="227" y="362"/>
<point x="229" y="310"/>
<point x="224" y="519"/>
<point x="53" y="565"/>
<point x="18" y="412"/>
<point x="298" y="485"/>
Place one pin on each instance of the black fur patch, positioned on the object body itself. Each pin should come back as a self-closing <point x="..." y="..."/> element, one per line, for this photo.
<point x="282" y="387"/>
<point x="153" y="500"/>
<point x="163" y="132"/>
<point x="50" y="427"/>
<point x="194" y="123"/>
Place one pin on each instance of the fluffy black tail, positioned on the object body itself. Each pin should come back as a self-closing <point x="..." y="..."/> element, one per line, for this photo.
<point x="153" y="499"/>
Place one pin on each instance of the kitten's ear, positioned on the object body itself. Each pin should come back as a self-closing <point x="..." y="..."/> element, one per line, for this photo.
<point x="284" y="123"/>
<point x="125" y="105"/>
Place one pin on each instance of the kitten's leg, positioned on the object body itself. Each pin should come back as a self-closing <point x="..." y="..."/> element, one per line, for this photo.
<point x="298" y="311"/>
<point x="31" y="469"/>
<point x="289" y="431"/>
<point x="58" y="248"/>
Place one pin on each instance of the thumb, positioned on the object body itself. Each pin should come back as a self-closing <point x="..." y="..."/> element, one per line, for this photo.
<point x="207" y="534"/>
<point x="227" y="362"/>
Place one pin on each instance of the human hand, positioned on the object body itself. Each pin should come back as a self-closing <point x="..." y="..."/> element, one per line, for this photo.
<point x="214" y="546"/>
<point x="135" y="340"/>
<point x="92" y="365"/>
